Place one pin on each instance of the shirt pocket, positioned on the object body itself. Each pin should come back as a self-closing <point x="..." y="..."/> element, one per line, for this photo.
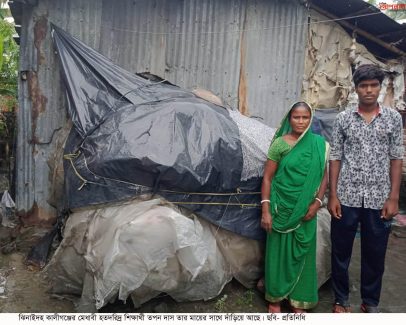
<point x="381" y="138"/>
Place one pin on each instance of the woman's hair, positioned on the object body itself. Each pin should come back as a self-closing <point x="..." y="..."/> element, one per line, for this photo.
<point x="299" y="104"/>
<point x="367" y="72"/>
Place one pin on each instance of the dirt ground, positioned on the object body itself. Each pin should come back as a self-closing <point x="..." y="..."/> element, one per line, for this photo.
<point x="23" y="289"/>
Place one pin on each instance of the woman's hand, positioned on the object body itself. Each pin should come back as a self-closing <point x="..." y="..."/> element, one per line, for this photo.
<point x="266" y="221"/>
<point x="312" y="211"/>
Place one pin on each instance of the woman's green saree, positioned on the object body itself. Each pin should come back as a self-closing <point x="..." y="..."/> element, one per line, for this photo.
<point x="290" y="263"/>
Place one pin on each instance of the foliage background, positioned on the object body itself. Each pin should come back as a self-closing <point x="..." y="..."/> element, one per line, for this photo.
<point x="9" y="55"/>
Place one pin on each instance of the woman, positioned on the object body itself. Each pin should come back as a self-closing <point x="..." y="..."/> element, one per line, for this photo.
<point x="293" y="185"/>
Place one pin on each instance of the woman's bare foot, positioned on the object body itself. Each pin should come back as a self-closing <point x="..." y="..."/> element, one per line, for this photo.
<point x="274" y="308"/>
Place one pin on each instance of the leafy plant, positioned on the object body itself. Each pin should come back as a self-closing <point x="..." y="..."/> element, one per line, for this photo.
<point x="9" y="55"/>
<point x="246" y="299"/>
<point x="220" y="304"/>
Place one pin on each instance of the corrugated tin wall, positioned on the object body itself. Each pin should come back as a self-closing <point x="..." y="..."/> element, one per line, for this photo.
<point x="249" y="53"/>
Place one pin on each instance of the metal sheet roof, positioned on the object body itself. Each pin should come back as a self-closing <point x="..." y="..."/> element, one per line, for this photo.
<point x="370" y="19"/>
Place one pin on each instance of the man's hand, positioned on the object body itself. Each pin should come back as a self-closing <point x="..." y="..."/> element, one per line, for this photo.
<point x="390" y="209"/>
<point x="334" y="207"/>
<point x="266" y="221"/>
<point x="312" y="211"/>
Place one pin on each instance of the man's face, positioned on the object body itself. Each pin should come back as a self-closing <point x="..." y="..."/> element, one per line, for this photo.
<point x="368" y="91"/>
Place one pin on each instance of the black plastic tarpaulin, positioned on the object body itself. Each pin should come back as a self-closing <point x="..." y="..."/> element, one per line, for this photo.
<point x="131" y="136"/>
<point x="323" y="122"/>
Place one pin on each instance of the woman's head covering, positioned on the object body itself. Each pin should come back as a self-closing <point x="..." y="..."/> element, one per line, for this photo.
<point x="285" y="128"/>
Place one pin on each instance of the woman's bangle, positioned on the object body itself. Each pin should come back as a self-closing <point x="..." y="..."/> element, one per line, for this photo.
<point x="265" y="201"/>
<point x="320" y="201"/>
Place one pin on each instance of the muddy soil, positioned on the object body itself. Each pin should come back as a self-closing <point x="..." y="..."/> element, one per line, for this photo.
<point x="22" y="288"/>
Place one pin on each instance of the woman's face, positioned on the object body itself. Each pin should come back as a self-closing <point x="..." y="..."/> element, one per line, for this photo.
<point x="299" y="119"/>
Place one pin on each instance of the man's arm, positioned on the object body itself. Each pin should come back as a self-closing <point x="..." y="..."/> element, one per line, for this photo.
<point x="334" y="206"/>
<point x="396" y="152"/>
<point x="391" y="206"/>
<point x="337" y="144"/>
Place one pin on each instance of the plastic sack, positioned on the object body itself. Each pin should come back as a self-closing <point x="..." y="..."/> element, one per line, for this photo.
<point x="141" y="249"/>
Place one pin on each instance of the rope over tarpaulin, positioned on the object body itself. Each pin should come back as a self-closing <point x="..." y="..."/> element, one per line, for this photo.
<point x="132" y="136"/>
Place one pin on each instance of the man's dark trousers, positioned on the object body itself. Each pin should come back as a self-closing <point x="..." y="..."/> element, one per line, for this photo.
<point x="374" y="240"/>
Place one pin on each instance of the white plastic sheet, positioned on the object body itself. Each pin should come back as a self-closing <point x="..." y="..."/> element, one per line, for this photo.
<point x="135" y="248"/>
<point x="143" y="248"/>
<point x="7" y="216"/>
<point x="7" y="201"/>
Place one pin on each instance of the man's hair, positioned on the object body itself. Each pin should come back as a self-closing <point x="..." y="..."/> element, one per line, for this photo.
<point x="368" y="72"/>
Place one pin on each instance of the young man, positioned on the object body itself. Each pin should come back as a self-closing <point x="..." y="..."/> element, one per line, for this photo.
<point x="365" y="171"/>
